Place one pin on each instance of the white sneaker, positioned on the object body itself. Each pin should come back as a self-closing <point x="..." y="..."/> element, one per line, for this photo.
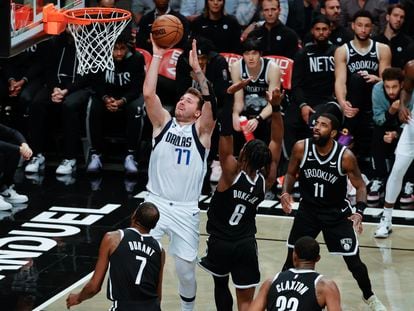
<point x="216" y="171"/>
<point x="130" y="165"/>
<point x="10" y="195"/>
<point x="4" y="206"/>
<point x="375" y="304"/>
<point x="66" y="167"/>
<point x="36" y="163"/>
<point x="384" y="228"/>
<point x="95" y="164"/>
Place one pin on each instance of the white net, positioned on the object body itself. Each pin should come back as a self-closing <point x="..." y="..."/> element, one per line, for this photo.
<point x="95" y="41"/>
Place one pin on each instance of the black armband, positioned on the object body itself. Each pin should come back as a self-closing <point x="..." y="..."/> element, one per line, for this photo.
<point x="276" y="108"/>
<point x="360" y="207"/>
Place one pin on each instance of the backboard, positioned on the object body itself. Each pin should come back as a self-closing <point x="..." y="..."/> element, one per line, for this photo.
<point x="21" y="23"/>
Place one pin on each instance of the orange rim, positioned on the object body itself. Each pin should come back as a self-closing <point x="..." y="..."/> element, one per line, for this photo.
<point x="77" y="16"/>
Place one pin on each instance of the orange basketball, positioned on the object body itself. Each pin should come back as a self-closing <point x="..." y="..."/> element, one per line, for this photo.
<point x="167" y="30"/>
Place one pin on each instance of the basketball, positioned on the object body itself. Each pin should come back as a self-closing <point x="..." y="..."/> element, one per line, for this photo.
<point x="167" y="30"/>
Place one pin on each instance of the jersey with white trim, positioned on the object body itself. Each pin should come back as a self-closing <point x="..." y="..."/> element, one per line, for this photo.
<point x="356" y="61"/>
<point x="255" y="91"/>
<point x="178" y="163"/>
<point x="321" y="178"/>
<point x="134" y="268"/>
<point x="231" y="214"/>
<point x="294" y="289"/>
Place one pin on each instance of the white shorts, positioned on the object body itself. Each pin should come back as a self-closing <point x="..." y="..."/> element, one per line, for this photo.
<point x="405" y="145"/>
<point x="180" y="221"/>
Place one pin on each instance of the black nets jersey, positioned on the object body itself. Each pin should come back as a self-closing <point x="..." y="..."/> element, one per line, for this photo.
<point x="255" y="90"/>
<point x="357" y="61"/>
<point x="134" y="268"/>
<point x="322" y="181"/>
<point x="294" y="289"/>
<point x="231" y="215"/>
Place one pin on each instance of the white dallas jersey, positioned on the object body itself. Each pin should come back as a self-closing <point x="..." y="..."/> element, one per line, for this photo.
<point x="178" y="163"/>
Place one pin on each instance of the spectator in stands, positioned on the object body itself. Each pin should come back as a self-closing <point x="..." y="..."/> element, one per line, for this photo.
<point x="12" y="146"/>
<point x="394" y="37"/>
<point x="191" y="9"/>
<point x="214" y="24"/>
<point x="385" y="105"/>
<point x="120" y="91"/>
<point x="339" y="34"/>
<point x="358" y="66"/>
<point x="243" y="10"/>
<point x="260" y="75"/>
<point x="25" y="76"/>
<point x="66" y="91"/>
<point x="216" y="71"/>
<point x="377" y="8"/>
<point x="144" y="26"/>
<point x="312" y="84"/>
<point x="300" y="16"/>
<point x="141" y="7"/>
<point x="275" y="38"/>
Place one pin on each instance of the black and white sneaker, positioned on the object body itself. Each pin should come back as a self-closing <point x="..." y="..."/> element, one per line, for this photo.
<point x="376" y="190"/>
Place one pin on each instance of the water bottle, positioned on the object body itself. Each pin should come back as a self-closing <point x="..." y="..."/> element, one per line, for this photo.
<point x="243" y="124"/>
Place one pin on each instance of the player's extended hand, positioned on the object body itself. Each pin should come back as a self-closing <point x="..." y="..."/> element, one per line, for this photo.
<point x="238" y="86"/>
<point x="193" y="58"/>
<point x="72" y="300"/>
<point x="286" y="200"/>
<point x="275" y="97"/>
<point x="356" y="219"/>
<point x="156" y="50"/>
<point x="404" y="114"/>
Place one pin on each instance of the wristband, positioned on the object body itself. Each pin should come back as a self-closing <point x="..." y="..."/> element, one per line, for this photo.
<point x="302" y="105"/>
<point x="259" y="118"/>
<point x="360" y="207"/>
<point x="157" y="56"/>
<point x="276" y="108"/>
<point x="207" y="98"/>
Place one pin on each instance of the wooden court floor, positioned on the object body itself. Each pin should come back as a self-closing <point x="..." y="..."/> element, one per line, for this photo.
<point x="390" y="265"/>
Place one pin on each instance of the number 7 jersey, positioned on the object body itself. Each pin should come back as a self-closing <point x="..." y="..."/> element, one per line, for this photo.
<point x="178" y="163"/>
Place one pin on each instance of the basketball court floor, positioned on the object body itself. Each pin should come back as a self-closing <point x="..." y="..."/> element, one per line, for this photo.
<point x="48" y="247"/>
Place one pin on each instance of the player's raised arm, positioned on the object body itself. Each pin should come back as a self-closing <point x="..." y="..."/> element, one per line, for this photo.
<point x="156" y="112"/>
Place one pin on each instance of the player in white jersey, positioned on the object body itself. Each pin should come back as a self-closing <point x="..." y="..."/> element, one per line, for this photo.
<point x="178" y="166"/>
<point x="404" y="153"/>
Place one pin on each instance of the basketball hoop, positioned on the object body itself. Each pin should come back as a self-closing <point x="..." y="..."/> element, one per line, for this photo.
<point x="95" y="31"/>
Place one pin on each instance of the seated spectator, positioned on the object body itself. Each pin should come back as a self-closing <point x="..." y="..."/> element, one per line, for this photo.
<point x="214" y="24"/>
<point x="394" y="37"/>
<point x="313" y="84"/>
<point x="162" y="7"/>
<point x="387" y="129"/>
<point x="65" y="91"/>
<point x="260" y="75"/>
<point x="377" y="8"/>
<point x="25" y="76"/>
<point x="243" y="10"/>
<point x="275" y="38"/>
<point x="191" y="9"/>
<point x="358" y="66"/>
<point x="216" y="71"/>
<point x="339" y="34"/>
<point x="12" y="146"/>
<point x="300" y="16"/>
<point x="120" y="91"/>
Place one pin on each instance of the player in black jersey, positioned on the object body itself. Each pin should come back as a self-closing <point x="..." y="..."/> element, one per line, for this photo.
<point x="136" y="262"/>
<point x="232" y="247"/>
<point x="323" y="166"/>
<point x="300" y="288"/>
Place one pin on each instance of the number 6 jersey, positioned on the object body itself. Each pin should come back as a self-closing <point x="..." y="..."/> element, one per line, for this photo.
<point x="231" y="215"/>
<point x="178" y="163"/>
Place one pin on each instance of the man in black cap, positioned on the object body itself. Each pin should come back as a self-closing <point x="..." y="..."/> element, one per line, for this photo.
<point x="313" y="84"/>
